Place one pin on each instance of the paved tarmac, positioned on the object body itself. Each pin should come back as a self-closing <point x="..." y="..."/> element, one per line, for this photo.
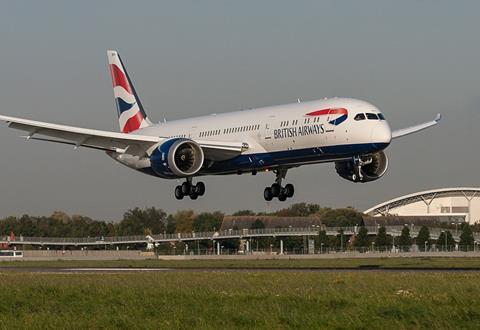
<point x="84" y="270"/>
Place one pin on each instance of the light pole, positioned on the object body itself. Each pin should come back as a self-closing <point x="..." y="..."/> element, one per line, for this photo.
<point x="373" y="246"/>
<point x="321" y="248"/>
<point x="426" y="246"/>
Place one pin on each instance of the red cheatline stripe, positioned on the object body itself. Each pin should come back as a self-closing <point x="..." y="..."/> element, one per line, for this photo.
<point x="332" y="111"/>
<point x="133" y="123"/>
<point x="119" y="78"/>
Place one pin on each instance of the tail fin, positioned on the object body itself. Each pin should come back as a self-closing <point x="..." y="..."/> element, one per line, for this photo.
<point x="131" y="115"/>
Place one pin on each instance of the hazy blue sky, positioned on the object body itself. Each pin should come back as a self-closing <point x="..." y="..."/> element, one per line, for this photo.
<point x="412" y="59"/>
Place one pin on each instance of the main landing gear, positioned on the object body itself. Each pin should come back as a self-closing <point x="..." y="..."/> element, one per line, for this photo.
<point x="276" y="189"/>
<point x="189" y="189"/>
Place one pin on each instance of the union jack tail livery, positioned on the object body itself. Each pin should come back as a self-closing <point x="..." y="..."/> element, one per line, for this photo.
<point x="131" y="115"/>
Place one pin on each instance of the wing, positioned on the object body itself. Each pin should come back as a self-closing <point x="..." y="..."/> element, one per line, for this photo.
<point x="133" y="144"/>
<point x="103" y="140"/>
<point x="218" y="151"/>
<point x="417" y="128"/>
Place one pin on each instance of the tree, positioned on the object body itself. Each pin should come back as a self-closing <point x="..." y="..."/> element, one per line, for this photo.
<point x="207" y="221"/>
<point x="381" y="241"/>
<point x="362" y="238"/>
<point x="171" y="224"/>
<point x="422" y="237"/>
<point x="257" y="224"/>
<point x="139" y="222"/>
<point x="405" y="241"/>
<point x="184" y="221"/>
<point x="466" y="238"/>
<point x="243" y="212"/>
<point x="298" y="210"/>
<point x="445" y="237"/>
<point x="342" y="217"/>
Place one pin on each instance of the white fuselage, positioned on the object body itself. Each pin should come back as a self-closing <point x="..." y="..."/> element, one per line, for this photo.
<point x="285" y="135"/>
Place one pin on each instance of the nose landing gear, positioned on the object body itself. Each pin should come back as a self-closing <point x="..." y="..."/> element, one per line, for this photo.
<point x="189" y="189"/>
<point x="276" y="189"/>
<point x="358" y="163"/>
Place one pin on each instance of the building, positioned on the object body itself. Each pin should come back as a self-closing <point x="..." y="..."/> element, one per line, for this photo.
<point x="447" y="205"/>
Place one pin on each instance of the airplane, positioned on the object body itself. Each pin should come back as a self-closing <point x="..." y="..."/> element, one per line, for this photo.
<point x="350" y="133"/>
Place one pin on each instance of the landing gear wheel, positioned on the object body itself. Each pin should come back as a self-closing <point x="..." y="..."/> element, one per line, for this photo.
<point x="178" y="192"/>
<point x="276" y="189"/>
<point x="186" y="188"/>
<point x="282" y="197"/>
<point x="289" y="190"/>
<point x="194" y="196"/>
<point x="267" y="194"/>
<point x="200" y="189"/>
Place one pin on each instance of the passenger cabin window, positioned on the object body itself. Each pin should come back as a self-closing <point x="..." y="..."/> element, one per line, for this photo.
<point x="359" y="116"/>
<point x="381" y="116"/>
<point x="372" y="116"/>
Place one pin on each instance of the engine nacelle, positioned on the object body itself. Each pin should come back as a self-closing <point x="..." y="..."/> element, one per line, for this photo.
<point x="177" y="158"/>
<point x="374" y="168"/>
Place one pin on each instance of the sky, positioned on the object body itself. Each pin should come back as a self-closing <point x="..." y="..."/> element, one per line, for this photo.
<point x="412" y="59"/>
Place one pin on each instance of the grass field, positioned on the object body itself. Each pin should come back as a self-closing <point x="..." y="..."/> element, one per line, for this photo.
<point x="240" y="300"/>
<point x="419" y="262"/>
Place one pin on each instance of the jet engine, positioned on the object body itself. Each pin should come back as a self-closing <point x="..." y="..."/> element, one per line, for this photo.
<point x="364" y="168"/>
<point x="177" y="158"/>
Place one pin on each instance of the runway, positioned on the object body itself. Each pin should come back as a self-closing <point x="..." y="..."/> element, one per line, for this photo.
<point x="106" y="270"/>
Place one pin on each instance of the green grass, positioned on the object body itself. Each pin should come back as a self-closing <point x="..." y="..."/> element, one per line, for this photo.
<point x="419" y="262"/>
<point x="240" y="300"/>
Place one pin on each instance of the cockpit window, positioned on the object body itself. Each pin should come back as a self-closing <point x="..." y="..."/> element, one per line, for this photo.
<point x="359" y="116"/>
<point x="381" y="116"/>
<point x="372" y="116"/>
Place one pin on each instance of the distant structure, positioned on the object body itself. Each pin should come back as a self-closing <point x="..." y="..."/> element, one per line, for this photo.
<point x="247" y="222"/>
<point x="443" y="205"/>
<point x="412" y="220"/>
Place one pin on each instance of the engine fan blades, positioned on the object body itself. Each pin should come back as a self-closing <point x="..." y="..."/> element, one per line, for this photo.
<point x="185" y="158"/>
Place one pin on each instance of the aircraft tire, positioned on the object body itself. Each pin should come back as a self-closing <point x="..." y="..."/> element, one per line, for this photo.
<point x="200" y="189"/>
<point x="178" y="192"/>
<point x="267" y="194"/>
<point x="282" y="197"/>
<point x="186" y="188"/>
<point x="194" y="196"/>
<point x="289" y="190"/>
<point x="276" y="189"/>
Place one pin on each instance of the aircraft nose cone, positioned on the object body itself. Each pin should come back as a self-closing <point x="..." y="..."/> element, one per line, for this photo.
<point x="381" y="135"/>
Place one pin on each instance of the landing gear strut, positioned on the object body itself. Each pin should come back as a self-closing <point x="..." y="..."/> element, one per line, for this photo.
<point x="189" y="189"/>
<point x="358" y="163"/>
<point x="276" y="189"/>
